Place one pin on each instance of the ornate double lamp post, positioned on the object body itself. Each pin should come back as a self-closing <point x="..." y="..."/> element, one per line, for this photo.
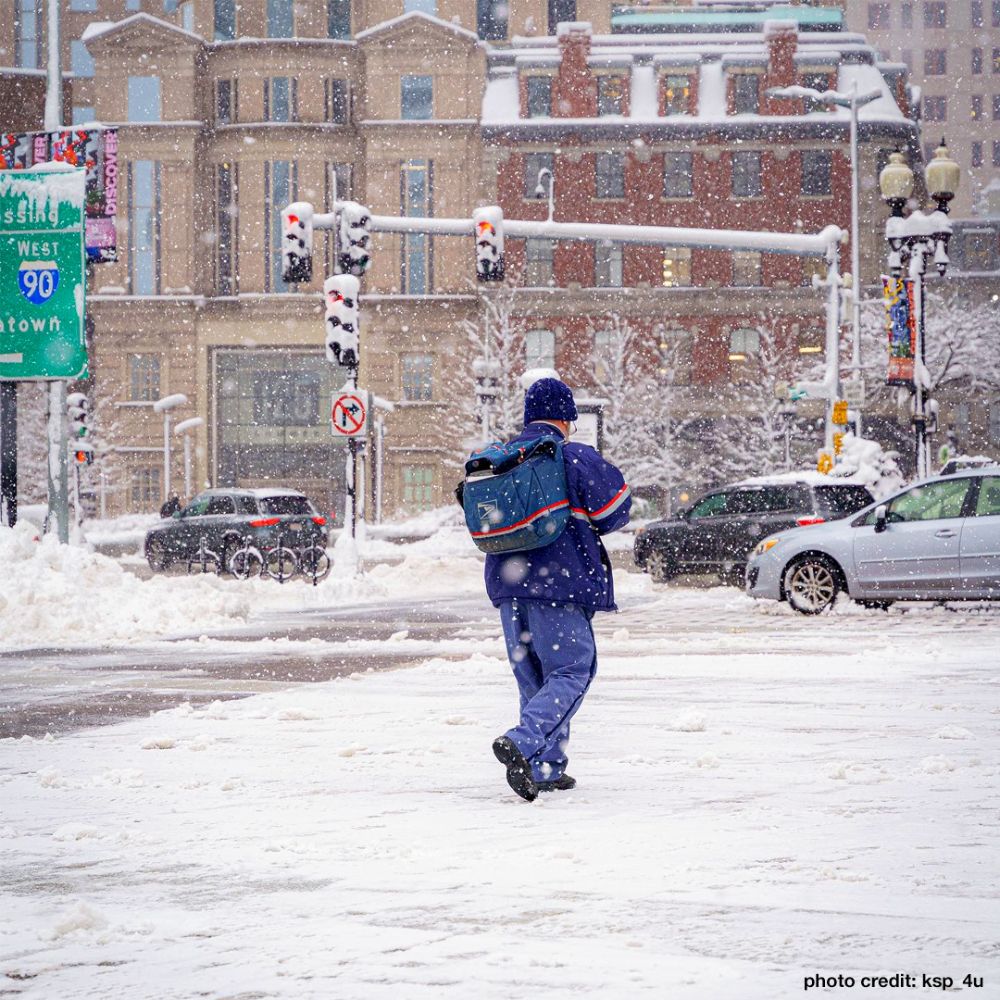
<point x="912" y="240"/>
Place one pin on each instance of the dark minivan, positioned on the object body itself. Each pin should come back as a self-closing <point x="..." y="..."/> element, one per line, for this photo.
<point x="719" y="530"/>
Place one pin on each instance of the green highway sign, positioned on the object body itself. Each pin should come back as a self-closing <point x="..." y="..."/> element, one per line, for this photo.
<point x="42" y="274"/>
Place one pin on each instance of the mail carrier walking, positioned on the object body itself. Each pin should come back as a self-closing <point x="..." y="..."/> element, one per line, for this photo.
<point x="538" y="506"/>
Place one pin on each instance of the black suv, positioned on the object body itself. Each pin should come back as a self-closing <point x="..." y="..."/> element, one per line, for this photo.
<point x="718" y="531"/>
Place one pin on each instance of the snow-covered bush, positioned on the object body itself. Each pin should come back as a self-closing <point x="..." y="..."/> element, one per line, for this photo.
<point x="868" y="462"/>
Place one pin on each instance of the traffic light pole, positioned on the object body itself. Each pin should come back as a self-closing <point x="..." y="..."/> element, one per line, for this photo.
<point x="8" y="453"/>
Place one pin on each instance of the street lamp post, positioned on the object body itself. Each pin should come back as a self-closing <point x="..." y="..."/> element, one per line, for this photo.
<point x="911" y="241"/>
<point x="164" y="405"/>
<point x="853" y="101"/>
<point x="183" y="428"/>
<point x="540" y="190"/>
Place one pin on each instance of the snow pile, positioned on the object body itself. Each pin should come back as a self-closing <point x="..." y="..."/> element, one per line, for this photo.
<point x="52" y="594"/>
<point x="868" y="462"/>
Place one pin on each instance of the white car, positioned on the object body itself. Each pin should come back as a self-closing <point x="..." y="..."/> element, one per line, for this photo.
<point x="937" y="540"/>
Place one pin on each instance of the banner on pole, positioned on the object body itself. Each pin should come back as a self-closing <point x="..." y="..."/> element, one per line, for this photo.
<point x="901" y="329"/>
<point x="96" y="151"/>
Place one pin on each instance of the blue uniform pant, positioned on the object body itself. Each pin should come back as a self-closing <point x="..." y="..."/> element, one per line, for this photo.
<point x="552" y="652"/>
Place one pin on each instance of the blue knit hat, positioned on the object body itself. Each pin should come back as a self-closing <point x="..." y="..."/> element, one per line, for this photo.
<point x="549" y="399"/>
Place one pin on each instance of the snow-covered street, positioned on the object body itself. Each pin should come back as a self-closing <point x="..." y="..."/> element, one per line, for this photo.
<point x="762" y="797"/>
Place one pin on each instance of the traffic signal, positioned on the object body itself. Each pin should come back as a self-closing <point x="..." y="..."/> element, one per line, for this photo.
<point x="341" y="293"/>
<point x="840" y="412"/>
<point x="297" y="242"/>
<point x="83" y="453"/>
<point x="354" y="243"/>
<point x="488" y="224"/>
<point x="76" y="408"/>
<point x="838" y="442"/>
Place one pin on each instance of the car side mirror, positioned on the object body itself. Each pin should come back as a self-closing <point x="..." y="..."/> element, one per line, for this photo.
<point x="881" y="518"/>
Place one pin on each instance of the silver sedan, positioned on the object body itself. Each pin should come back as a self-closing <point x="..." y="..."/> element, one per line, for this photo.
<point x="936" y="540"/>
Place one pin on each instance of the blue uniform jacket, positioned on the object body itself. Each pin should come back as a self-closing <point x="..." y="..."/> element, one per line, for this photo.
<point x="575" y="568"/>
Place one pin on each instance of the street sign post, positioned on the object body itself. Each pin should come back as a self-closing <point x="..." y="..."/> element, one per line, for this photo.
<point x="42" y="274"/>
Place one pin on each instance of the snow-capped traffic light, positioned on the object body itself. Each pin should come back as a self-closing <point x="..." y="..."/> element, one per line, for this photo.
<point x="76" y="408"/>
<point x="489" y="243"/>
<point x="297" y="242"/>
<point x="83" y="453"/>
<point x="341" y="293"/>
<point x="354" y="243"/>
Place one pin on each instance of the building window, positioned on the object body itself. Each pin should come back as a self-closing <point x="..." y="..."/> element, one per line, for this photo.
<point x="280" y="186"/>
<point x="935" y="14"/>
<point x="338" y="18"/>
<point x="976" y="108"/>
<point x="996" y="152"/>
<point x="417" y="97"/>
<point x="878" y="15"/>
<point x="423" y="6"/>
<point x="418" y="487"/>
<point x="996" y="13"/>
<point x="746" y="94"/>
<point x="225" y="102"/>
<point x="538" y="263"/>
<point x="144" y="225"/>
<point x="906" y="58"/>
<point x="534" y="164"/>
<point x="813" y="266"/>
<point x="81" y="62"/>
<point x="417" y="373"/>
<point x="539" y="349"/>
<point x="996" y="107"/>
<point x="83" y="114"/>
<point x="539" y="97"/>
<point x="144" y="99"/>
<point x="610" y="95"/>
<point x="145" y="486"/>
<point x="143" y="378"/>
<point x="676" y="267"/>
<point x="977" y="62"/>
<point x="677" y="182"/>
<point x="610" y="175"/>
<point x="560" y="11"/>
<point x="338" y="187"/>
<point x="996" y="60"/>
<point x="676" y="95"/>
<point x="811" y="340"/>
<point x="225" y="227"/>
<point x="935" y="62"/>
<point x="817" y="166"/>
<point x="977" y="154"/>
<point x="979" y="250"/>
<point x="746" y="175"/>
<point x="976" y="11"/>
<point x="821" y="83"/>
<point x="28" y="33"/>
<point x="225" y="20"/>
<point x="281" y="99"/>
<point x="607" y="264"/>
<point x="491" y="19"/>
<point x="337" y="102"/>
<point x="416" y="182"/>
<point x="906" y="16"/>
<point x="743" y="343"/>
<point x="935" y="109"/>
<point x="187" y="15"/>
<point x="746" y="269"/>
<point x="84" y="5"/>
<point x="280" y="19"/>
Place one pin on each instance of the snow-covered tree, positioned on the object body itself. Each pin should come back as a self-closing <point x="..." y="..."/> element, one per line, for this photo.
<point x="867" y="461"/>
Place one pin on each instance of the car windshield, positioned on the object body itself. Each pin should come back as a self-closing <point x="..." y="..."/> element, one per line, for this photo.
<point x="842" y="500"/>
<point x="286" y="504"/>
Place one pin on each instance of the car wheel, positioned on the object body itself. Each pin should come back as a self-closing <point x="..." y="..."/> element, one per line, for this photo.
<point x="812" y="584"/>
<point x="157" y="555"/>
<point x="874" y="605"/>
<point x="660" y="566"/>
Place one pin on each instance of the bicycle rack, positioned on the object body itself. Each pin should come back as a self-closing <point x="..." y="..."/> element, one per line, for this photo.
<point x="204" y="557"/>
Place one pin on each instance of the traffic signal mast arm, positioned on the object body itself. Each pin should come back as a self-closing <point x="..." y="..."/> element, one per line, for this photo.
<point x="798" y="244"/>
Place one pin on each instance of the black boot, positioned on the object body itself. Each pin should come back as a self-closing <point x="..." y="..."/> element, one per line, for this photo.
<point x="561" y="784"/>
<point x="518" y="769"/>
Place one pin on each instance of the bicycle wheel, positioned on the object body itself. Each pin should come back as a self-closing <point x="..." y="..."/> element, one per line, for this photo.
<point x="245" y="563"/>
<point x="281" y="563"/>
<point x="315" y="563"/>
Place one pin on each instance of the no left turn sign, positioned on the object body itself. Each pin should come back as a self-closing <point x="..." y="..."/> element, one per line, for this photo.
<point x="349" y="414"/>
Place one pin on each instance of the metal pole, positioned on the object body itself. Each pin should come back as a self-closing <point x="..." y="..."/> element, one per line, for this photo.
<point x="855" y="248"/>
<point x="832" y="338"/>
<point x="919" y="420"/>
<point x="104" y="490"/>
<point x="53" y="90"/>
<point x="187" y="466"/>
<point x="166" y="455"/>
<point x="379" y="467"/>
<point x="8" y="453"/>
